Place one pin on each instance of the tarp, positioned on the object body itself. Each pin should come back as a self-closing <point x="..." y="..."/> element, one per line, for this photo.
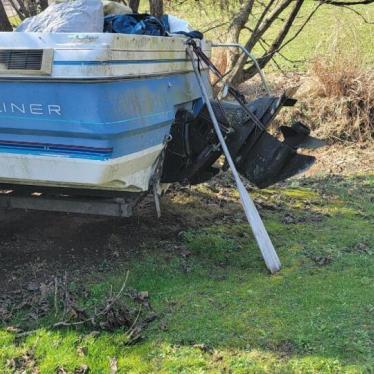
<point x="67" y="16"/>
<point x="112" y="8"/>
<point x="177" y="24"/>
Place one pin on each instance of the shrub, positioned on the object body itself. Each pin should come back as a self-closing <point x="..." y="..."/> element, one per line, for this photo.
<point x="339" y="93"/>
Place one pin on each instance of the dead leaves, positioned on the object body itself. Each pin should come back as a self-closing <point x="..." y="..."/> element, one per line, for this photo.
<point x="307" y="217"/>
<point x="83" y="369"/>
<point x="322" y="260"/>
<point x="25" y="363"/>
<point x="82" y="351"/>
<point x="5" y="313"/>
<point x="32" y="301"/>
<point x="204" y="348"/>
<point x="113" y="364"/>
<point x="128" y="309"/>
<point x="115" y="312"/>
<point x="326" y="256"/>
<point x="362" y="248"/>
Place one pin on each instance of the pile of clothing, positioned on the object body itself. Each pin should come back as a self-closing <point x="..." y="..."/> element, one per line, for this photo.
<point x="103" y="16"/>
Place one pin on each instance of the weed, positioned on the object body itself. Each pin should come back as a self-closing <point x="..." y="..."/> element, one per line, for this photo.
<point x="341" y="92"/>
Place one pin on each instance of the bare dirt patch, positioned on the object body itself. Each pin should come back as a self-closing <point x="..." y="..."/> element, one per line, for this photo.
<point x="37" y="246"/>
<point x="343" y="159"/>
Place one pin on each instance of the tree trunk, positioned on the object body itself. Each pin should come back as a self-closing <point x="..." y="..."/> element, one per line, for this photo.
<point x="236" y="26"/>
<point x="20" y="8"/>
<point x="283" y="12"/>
<point x="156" y="8"/>
<point x="266" y="19"/>
<point x="43" y="4"/>
<point x="32" y="7"/>
<point x="134" y="5"/>
<point x="278" y="41"/>
<point x="4" y="21"/>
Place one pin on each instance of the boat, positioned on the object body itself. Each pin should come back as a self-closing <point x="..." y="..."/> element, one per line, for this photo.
<point x="111" y="115"/>
<point x="89" y="111"/>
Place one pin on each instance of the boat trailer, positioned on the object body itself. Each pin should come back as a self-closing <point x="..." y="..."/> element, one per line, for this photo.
<point x="68" y="200"/>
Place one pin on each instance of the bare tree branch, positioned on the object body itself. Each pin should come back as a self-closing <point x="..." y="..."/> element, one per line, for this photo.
<point x="345" y="3"/>
<point x="264" y="22"/>
<point x="214" y="27"/>
<point x="20" y="10"/>
<point x="268" y="17"/>
<point x="265" y="43"/>
<point x="359" y="14"/>
<point x="263" y="60"/>
<point x="297" y="33"/>
<point x="134" y="5"/>
<point x="239" y="21"/>
<point x="156" y="8"/>
<point x="236" y="26"/>
<point x="272" y="58"/>
<point x="4" y="21"/>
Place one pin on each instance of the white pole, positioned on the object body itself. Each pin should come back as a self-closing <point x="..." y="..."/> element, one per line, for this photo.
<point x="259" y="231"/>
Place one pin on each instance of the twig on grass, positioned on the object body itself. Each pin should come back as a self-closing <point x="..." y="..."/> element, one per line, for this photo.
<point x="56" y="296"/>
<point x="96" y="315"/>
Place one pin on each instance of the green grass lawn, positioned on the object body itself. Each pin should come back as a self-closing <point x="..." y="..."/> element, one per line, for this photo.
<point x="329" y="25"/>
<point x="218" y="308"/>
<point x="315" y="39"/>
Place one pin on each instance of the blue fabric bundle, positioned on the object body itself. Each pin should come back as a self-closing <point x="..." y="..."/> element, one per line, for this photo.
<point x="142" y="24"/>
<point x="139" y="24"/>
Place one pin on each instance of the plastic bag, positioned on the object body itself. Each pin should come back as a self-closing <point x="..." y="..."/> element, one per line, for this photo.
<point x="177" y="25"/>
<point x="111" y="8"/>
<point x="67" y="16"/>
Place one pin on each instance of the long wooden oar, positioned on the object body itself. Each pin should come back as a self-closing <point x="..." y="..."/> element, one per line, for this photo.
<point x="259" y="231"/>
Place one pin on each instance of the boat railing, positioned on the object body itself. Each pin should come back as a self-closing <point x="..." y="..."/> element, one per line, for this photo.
<point x="249" y="55"/>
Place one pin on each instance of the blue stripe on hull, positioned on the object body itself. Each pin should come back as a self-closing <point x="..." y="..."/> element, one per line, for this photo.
<point x="126" y="116"/>
<point x="117" y="62"/>
<point x="57" y="149"/>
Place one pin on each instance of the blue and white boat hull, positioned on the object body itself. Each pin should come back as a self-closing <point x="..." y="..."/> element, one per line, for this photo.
<point x="96" y="112"/>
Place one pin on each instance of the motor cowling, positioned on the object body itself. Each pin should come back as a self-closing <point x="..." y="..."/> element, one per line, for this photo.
<point x="258" y="156"/>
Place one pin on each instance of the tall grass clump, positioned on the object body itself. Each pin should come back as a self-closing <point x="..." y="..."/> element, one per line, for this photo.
<point x="340" y="93"/>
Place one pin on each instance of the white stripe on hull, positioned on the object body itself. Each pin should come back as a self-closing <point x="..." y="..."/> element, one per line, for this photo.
<point x="128" y="173"/>
<point x="121" y="70"/>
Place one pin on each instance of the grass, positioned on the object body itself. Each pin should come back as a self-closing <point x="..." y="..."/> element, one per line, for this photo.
<point x="219" y="310"/>
<point x="312" y="41"/>
<point x="316" y="38"/>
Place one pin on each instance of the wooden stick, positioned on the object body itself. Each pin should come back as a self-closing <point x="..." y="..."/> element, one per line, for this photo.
<point x="259" y="231"/>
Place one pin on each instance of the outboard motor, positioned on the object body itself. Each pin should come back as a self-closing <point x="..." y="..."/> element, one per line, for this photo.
<point x="259" y="156"/>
